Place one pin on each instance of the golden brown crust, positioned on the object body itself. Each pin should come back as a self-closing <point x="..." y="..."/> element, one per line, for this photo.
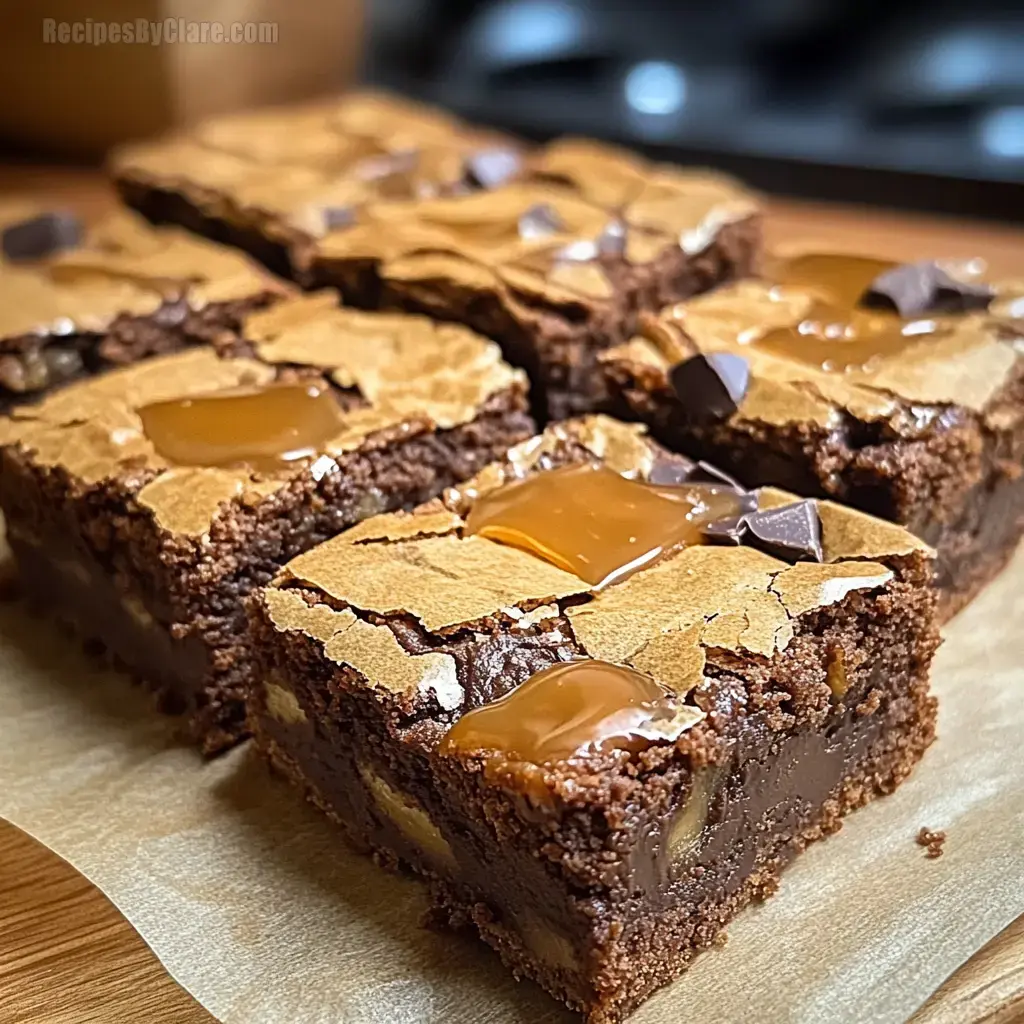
<point x="411" y="375"/>
<point x="125" y="267"/>
<point x="688" y="203"/>
<point x="660" y="620"/>
<point x="967" y="365"/>
<point x="484" y="242"/>
<point x="286" y="168"/>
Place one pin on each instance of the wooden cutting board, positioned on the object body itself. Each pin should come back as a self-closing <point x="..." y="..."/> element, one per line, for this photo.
<point x="68" y="957"/>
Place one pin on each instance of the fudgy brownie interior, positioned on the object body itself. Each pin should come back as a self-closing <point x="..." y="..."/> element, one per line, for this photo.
<point x="773" y="698"/>
<point x="914" y="418"/>
<point x="124" y="292"/>
<point x="144" y="505"/>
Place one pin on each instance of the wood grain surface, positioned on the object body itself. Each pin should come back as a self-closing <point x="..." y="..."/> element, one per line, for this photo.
<point x="68" y="957"/>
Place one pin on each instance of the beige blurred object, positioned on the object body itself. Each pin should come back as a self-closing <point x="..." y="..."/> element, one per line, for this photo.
<point x="81" y="98"/>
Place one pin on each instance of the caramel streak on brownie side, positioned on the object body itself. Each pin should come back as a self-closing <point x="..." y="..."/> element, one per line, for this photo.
<point x="602" y="875"/>
<point x="127" y="292"/>
<point x="557" y="266"/>
<point x="929" y="435"/>
<point x="153" y="554"/>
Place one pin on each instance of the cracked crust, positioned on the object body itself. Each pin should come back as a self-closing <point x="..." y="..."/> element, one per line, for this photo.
<point x="933" y="440"/>
<point x="420" y="566"/>
<point x="156" y="560"/>
<point x="274" y="180"/>
<point x="602" y="876"/>
<point x="617" y="236"/>
<point x="128" y="292"/>
<point x="404" y="374"/>
<point x="967" y="367"/>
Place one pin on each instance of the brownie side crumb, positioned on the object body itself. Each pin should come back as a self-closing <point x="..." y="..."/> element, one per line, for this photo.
<point x="932" y="841"/>
<point x="557" y="344"/>
<point x="954" y="478"/>
<point x="165" y="206"/>
<point x="573" y="900"/>
<point x="190" y="592"/>
<point x="35" y="364"/>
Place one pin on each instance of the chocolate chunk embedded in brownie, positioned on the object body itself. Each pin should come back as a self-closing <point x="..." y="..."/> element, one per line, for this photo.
<point x="127" y="292"/>
<point x="897" y="390"/>
<point x="272" y="181"/>
<point x="596" y="730"/>
<point x="145" y="505"/>
<point x="556" y="266"/>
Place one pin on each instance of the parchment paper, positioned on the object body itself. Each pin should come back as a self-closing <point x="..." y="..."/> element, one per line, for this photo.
<point x="255" y="905"/>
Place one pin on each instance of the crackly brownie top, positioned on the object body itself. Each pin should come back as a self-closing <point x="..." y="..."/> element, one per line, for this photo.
<point x="123" y="266"/>
<point x="307" y="167"/>
<point x="567" y="233"/>
<point x="516" y="552"/>
<point x="194" y="429"/>
<point x="821" y="334"/>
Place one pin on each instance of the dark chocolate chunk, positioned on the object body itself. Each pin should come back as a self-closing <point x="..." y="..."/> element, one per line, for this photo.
<point x="678" y="469"/>
<point x="704" y="472"/>
<point x="62" y="363"/>
<point x="612" y="240"/>
<point x="790" y="532"/>
<point x="726" y="531"/>
<point x="710" y="386"/>
<point x="490" y="168"/>
<point x="42" y="236"/>
<point x="337" y="217"/>
<point x="671" y="470"/>
<point x="172" y="313"/>
<point x="916" y="289"/>
<point x="539" y="221"/>
<point x="376" y="168"/>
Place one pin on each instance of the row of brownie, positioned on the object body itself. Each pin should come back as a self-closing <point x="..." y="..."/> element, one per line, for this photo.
<point x="923" y="430"/>
<point x="782" y="646"/>
<point x="563" y="255"/>
<point x="790" y="642"/>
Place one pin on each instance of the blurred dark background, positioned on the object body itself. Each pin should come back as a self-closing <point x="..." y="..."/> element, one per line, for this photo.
<point x="911" y="104"/>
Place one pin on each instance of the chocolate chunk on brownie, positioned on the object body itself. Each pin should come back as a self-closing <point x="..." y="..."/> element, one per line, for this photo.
<point x="127" y="292"/>
<point x="595" y="731"/>
<point x="555" y="266"/>
<point x="145" y="504"/>
<point x="272" y="181"/>
<point x="897" y="390"/>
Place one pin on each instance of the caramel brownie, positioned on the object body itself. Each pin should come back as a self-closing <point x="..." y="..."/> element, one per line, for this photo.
<point x="898" y="389"/>
<point x="555" y="266"/>
<point x="272" y="181"/>
<point x="599" y="697"/>
<point x="145" y="504"/>
<point x="75" y="303"/>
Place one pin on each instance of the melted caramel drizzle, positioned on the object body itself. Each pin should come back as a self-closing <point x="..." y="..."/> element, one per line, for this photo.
<point x="574" y="708"/>
<point x="836" y="334"/>
<point x="596" y="524"/>
<point x="263" y="427"/>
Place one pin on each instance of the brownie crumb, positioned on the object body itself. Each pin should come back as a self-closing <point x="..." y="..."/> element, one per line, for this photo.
<point x="869" y="705"/>
<point x="720" y="940"/>
<point x="10" y="581"/>
<point x="932" y="841"/>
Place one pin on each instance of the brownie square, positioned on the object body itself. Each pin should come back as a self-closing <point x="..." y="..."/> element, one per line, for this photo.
<point x="412" y="673"/>
<point x="74" y="304"/>
<point x="920" y="422"/>
<point x="272" y="181"/>
<point x="555" y="266"/>
<point x="145" y="504"/>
